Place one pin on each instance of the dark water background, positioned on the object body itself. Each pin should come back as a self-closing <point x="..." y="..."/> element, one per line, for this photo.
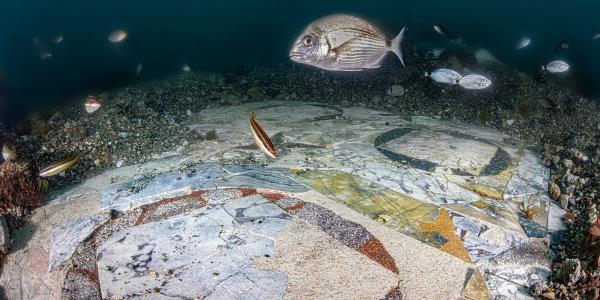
<point x="214" y="35"/>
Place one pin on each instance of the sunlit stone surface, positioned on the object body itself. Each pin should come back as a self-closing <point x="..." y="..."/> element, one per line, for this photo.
<point x="358" y="204"/>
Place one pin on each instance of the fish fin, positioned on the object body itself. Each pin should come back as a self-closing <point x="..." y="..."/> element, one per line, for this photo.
<point x="396" y="45"/>
<point x="342" y="46"/>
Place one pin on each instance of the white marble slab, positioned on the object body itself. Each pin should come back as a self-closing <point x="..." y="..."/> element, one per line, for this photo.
<point x="148" y="189"/>
<point x="530" y="177"/>
<point x="67" y="236"/>
<point x="208" y="253"/>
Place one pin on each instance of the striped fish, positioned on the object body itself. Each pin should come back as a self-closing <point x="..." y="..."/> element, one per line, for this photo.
<point x="261" y="138"/>
<point x="59" y="167"/>
<point x="345" y="43"/>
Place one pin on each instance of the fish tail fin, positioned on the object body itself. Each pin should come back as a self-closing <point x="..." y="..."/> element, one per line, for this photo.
<point x="396" y="45"/>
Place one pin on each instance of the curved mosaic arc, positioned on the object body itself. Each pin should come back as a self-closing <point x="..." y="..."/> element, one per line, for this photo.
<point x="84" y="280"/>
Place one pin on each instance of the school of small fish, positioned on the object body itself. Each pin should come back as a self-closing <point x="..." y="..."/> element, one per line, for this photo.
<point x="470" y="82"/>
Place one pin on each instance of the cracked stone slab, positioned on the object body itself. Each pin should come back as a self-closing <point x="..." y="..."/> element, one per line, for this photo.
<point x="206" y="253"/>
<point x="524" y="264"/>
<point x="530" y="177"/>
<point x="140" y="191"/>
<point x="67" y="236"/>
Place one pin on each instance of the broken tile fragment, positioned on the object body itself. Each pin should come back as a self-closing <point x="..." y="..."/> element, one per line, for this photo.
<point x="67" y="236"/>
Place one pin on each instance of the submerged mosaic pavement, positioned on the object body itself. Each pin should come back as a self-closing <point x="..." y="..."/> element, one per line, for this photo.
<point x="358" y="204"/>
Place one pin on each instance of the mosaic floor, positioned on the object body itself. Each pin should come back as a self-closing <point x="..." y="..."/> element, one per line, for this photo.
<point x="359" y="204"/>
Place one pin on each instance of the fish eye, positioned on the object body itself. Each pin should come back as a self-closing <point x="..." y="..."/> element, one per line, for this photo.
<point x="307" y="40"/>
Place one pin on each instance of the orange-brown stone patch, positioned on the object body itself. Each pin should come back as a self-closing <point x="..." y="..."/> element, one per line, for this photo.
<point x="374" y="250"/>
<point x="272" y="196"/>
<point x="293" y="209"/>
<point x="247" y="192"/>
<point x="147" y="209"/>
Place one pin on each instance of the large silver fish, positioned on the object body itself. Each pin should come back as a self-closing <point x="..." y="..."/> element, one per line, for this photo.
<point x="344" y="43"/>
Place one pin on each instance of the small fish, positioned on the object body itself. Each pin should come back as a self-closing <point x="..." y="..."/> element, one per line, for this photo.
<point x="443" y="31"/>
<point x="563" y="45"/>
<point x="138" y="70"/>
<point x="59" y="167"/>
<point x="523" y="43"/>
<point x="596" y="35"/>
<point x="344" y="43"/>
<point x="474" y="82"/>
<point x="117" y="36"/>
<point x="8" y="153"/>
<point x="261" y="138"/>
<point x="45" y="55"/>
<point x="41" y="48"/>
<point x="186" y="68"/>
<point x="556" y="66"/>
<point x="92" y="104"/>
<point x="58" y="39"/>
<point x="444" y="76"/>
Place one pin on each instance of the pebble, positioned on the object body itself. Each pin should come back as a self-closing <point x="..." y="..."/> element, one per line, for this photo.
<point x="568" y="164"/>
<point x="188" y="112"/>
<point x="97" y="162"/>
<point x="564" y="201"/>
<point x="120" y="163"/>
<point x="554" y="190"/>
<point x="570" y="271"/>
<point x="510" y="122"/>
<point x="548" y="296"/>
<point x="396" y="91"/>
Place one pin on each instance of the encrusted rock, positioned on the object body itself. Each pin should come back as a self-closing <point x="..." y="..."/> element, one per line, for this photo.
<point x="570" y="271"/>
<point x="4" y="236"/>
<point x="20" y="187"/>
<point x="538" y="287"/>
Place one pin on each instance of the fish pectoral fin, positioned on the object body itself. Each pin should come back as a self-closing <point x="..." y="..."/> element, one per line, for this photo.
<point x="344" y="46"/>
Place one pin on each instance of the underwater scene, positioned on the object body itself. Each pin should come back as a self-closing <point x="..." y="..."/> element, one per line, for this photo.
<point x="262" y="149"/>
